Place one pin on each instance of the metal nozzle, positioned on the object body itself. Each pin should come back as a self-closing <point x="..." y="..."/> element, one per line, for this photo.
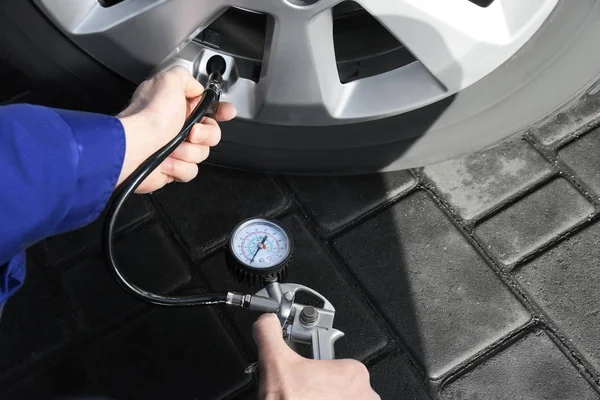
<point x="216" y="67"/>
<point x="238" y="300"/>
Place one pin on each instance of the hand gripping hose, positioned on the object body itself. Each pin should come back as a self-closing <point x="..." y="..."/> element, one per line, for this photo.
<point x="215" y="67"/>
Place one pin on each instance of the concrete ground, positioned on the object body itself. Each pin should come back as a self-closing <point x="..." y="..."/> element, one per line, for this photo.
<point x="471" y="279"/>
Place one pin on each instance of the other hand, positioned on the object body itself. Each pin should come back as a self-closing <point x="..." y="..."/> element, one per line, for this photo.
<point x="286" y="375"/>
<point x="156" y="114"/>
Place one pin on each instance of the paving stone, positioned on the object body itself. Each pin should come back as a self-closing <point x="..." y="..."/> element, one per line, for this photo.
<point x="207" y="209"/>
<point x="582" y="157"/>
<point x="65" y="379"/>
<point x="532" y="368"/>
<point x="480" y="181"/>
<point x="563" y="281"/>
<point x="313" y="268"/>
<point x="35" y="321"/>
<point x="62" y="249"/>
<point x="148" y="257"/>
<point x="335" y="202"/>
<point x="443" y="299"/>
<point x="394" y="378"/>
<point x="579" y="116"/>
<point x="534" y="221"/>
<point x="173" y="353"/>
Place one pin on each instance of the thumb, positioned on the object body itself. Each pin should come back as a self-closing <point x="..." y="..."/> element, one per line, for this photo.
<point x="269" y="338"/>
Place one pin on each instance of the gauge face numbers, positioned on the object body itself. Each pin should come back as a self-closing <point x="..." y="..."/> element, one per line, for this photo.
<point x="260" y="244"/>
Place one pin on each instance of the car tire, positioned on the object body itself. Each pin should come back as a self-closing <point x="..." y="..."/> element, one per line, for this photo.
<point x="557" y="66"/>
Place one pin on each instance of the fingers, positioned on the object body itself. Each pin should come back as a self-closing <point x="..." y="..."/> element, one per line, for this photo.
<point x="226" y="112"/>
<point x="207" y="133"/>
<point x="181" y="171"/>
<point x="191" y="153"/>
<point x="191" y="87"/>
<point x="197" y="148"/>
<point x="193" y="90"/>
<point x="269" y="338"/>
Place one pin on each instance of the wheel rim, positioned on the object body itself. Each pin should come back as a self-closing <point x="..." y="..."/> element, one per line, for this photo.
<point x="455" y="42"/>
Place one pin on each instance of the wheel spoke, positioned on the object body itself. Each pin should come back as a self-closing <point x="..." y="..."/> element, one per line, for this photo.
<point x="147" y="30"/>
<point x="456" y="39"/>
<point x="299" y="69"/>
<point x="455" y="42"/>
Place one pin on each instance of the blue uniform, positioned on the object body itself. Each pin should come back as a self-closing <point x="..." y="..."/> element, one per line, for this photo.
<point x="58" y="170"/>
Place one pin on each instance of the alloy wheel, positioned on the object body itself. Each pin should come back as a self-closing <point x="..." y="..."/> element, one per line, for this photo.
<point x="455" y="43"/>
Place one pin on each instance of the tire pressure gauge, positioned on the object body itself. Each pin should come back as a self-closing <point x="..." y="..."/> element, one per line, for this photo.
<point x="259" y="251"/>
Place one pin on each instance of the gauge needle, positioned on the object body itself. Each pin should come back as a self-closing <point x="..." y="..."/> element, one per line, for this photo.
<point x="260" y="246"/>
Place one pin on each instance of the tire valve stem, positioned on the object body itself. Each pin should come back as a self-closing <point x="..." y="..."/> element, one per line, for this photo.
<point x="215" y="67"/>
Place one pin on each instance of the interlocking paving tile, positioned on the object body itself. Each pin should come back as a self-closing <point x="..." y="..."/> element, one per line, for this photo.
<point x="205" y="210"/>
<point x="480" y="181"/>
<point x="173" y="353"/>
<point x="66" y="379"/>
<point x="147" y="257"/>
<point x="563" y="281"/>
<point x="394" y="377"/>
<point x="335" y="202"/>
<point x="62" y="249"/>
<point x="577" y="118"/>
<point x="35" y="321"/>
<point x="534" y="220"/>
<point x="364" y="334"/>
<point x="443" y="299"/>
<point x="582" y="157"/>
<point x="532" y="368"/>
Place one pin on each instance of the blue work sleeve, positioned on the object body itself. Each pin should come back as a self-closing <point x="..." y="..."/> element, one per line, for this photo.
<point x="59" y="169"/>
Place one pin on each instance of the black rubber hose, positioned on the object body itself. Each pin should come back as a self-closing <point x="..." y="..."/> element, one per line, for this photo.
<point x="210" y="98"/>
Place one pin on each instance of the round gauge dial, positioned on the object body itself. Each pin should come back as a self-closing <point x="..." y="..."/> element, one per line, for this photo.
<point x="260" y="247"/>
<point x="260" y="244"/>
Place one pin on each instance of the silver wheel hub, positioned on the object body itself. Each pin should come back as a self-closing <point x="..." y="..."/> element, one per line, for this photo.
<point x="456" y="43"/>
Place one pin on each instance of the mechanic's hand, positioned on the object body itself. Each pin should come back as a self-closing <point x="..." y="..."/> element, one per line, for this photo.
<point x="156" y="115"/>
<point x="286" y="375"/>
